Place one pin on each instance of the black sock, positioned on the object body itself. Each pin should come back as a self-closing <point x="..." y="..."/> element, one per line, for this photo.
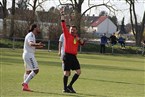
<point x="65" y="80"/>
<point x="75" y="77"/>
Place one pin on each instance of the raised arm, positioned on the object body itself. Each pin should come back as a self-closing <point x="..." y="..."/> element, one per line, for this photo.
<point x="63" y="24"/>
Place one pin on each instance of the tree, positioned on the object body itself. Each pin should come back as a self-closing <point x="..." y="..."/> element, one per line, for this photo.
<point x="77" y="9"/>
<point x="103" y="13"/>
<point x="23" y="4"/>
<point x="122" y="28"/>
<point x="35" y="5"/>
<point x="5" y="13"/>
<point x="24" y="14"/>
<point x="12" y="20"/>
<point x="137" y="28"/>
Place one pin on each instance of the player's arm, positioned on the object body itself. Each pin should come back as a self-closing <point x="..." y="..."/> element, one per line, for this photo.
<point x="81" y="41"/>
<point x="59" y="48"/>
<point x="63" y="24"/>
<point x="37" y="45"/>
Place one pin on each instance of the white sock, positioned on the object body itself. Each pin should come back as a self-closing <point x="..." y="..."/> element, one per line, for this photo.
<point x="25" y="76"/>
<point x="30" y="76"/>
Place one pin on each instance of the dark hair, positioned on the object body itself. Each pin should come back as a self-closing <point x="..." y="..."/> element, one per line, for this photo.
<point x="32" y="27"/>
<point x="68" y="25"/>
<point x="74" y="26"/>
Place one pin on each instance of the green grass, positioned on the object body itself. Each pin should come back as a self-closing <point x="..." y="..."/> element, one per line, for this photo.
<point x="102" y="75"/>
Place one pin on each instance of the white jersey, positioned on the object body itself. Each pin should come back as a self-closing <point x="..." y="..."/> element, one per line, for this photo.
<point x="30" y="62"/>
<point x="61" y="39"/>
<point x="27" y="48"/>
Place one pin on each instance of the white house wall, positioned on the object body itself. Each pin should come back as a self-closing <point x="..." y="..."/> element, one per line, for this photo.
<point x="106" y="27"/>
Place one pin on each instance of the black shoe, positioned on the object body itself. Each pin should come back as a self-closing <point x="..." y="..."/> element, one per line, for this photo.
<point x="70" y="88"/>
<point x="66" y="91"/>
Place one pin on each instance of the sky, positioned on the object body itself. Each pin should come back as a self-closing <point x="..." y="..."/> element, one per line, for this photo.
<point x="140" y="8"/>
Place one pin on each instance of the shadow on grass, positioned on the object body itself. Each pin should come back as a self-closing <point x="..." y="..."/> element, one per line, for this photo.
<point x="101" y="57"/>
<point x="102" y="80"/>
<point x="90" y="66"/>
<point x="70" y="94"/>
<point x="110" y="68"/>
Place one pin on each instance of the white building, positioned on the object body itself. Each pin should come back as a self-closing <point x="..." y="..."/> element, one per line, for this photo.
<point x="103" y="25"/>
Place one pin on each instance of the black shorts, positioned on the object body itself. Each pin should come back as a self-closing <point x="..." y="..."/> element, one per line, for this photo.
<point x="70" y="62"/>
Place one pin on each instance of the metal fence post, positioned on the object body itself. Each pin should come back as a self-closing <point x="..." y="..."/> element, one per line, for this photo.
<point x="48" y="45"/>
<point x="13" y="43"/>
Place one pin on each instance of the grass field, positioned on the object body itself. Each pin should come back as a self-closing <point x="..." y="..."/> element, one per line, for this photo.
<point x="102" y="75"/>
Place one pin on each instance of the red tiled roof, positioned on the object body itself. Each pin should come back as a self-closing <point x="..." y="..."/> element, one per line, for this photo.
<point x="98" y="21"/>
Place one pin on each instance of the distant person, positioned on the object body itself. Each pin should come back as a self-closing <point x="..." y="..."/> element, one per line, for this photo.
<point x="121" y="41"/>
<point x="71" y="43"/>
<point x="103" y="42"/>
<point x="113" y="39"/>
<point x="30" y="63"/>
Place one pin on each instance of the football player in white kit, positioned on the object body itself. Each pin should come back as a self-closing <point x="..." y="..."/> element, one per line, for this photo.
<point x="30" y="63"/>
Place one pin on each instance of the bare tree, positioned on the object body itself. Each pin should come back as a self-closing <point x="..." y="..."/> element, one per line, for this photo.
<point x="4" y="9"/>
<point x="77" y="7"/>
<point x="27" y="16"/>
<point x="22" y="4"/>
<point x="137" y="28"/>
<point x="12" y="20"/>
<point x="35" y="5"/>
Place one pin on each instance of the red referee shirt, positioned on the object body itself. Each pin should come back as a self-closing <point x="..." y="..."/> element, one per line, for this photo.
<point x="70" y="45"/>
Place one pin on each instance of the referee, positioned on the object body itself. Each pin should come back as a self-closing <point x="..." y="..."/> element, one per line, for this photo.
<point x="71" y="43"/>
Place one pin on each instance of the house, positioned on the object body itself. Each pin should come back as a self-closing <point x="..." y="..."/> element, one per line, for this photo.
<point x="103" y="25"/>
<point x="1" y="19"/>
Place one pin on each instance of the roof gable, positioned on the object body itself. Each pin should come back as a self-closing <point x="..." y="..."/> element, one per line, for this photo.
<point x="98" y="21"/>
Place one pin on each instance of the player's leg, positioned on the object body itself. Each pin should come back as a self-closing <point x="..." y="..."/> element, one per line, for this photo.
<point x="65" y="81"/>
<point x="31" y="75"/>
<point x="66" y="61"/>
<point x="27" y="72"/>
<point x="100" y="48"/>
<point x="103" y="48"/>
<point x="76" y="67"/>
<point x="31" y="64"/>
<point x="74" y="78"/>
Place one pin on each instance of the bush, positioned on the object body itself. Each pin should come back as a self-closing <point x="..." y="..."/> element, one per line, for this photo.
<point x="88" y="47"/>
<point x="8" y="43"/>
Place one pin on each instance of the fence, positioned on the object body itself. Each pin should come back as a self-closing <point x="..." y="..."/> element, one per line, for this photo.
<point x="90" y="46"/>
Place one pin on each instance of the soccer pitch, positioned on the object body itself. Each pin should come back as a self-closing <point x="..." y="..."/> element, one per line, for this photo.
<point x="102" y="75"/>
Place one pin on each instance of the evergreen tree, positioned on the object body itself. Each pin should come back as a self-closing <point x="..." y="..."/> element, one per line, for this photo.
<point x="122" y="28"/>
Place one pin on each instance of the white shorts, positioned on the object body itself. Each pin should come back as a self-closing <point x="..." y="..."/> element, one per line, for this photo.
<point x="30" y="62"/>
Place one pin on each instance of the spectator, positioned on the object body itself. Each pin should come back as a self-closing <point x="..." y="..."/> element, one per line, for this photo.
<point x="121" y="41"/>
<point x="103" y="42"/>
<point x="113" y="39"/>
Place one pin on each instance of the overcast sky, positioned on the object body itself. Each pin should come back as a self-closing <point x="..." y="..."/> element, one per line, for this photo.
<point x="140" y="8"/>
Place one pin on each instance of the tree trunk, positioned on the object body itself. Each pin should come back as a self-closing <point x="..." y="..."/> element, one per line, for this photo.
<point x="5" y="27"/>
<point x="77" y="22"/>
<point x="78" y="16"/>
<point x="142" y="25"/>
<point x="138" y="32"/>
<point x="12" y="20"/>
